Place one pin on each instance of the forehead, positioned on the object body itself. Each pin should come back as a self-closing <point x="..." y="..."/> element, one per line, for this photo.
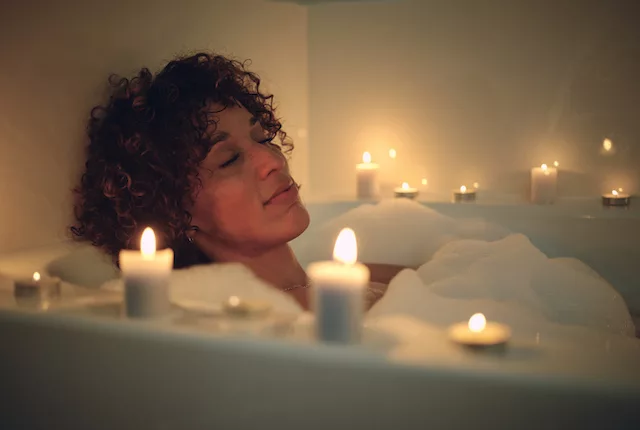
<point x="228" y="119"/>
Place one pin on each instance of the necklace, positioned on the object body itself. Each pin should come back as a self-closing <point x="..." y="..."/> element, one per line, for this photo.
<point x="303" y="286"/>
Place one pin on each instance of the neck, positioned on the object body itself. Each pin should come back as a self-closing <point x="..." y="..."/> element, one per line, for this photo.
<point x="277" y="266"/>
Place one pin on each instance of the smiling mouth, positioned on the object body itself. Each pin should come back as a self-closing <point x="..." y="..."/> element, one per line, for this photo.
<point x="279" y="193"/>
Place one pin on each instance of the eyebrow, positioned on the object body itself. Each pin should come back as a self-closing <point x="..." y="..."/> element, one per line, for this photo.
<point x="223" y="135"/>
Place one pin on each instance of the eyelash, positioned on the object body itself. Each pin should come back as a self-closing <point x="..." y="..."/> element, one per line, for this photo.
<point x="236" y="156"/>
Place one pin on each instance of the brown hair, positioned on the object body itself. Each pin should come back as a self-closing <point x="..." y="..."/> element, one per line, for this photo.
<point x="145" y="146"/>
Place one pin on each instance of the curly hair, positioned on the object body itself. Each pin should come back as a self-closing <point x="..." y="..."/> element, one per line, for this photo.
<point x="145" y="146"/>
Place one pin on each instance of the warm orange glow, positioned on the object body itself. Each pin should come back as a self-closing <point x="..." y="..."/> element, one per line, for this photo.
<point x="614" y="192"/>
<point x="234" y="301"/>
<point x="544" y="167"/>
<point x="476" y="185"/>
<point x="366" y="158"/>
<point x="148" y="243"/>
<point x="477" y="323"/>
<point x="463" y="189"/>
<point x="392" y="153"/>
<point x="556" y="164"/>
<point x="36" y="276"/>
<point x="405" y="185"/>
<point x="607" y="145"/>
<point x="424" y="181"/>
<point x="346" y="247"/>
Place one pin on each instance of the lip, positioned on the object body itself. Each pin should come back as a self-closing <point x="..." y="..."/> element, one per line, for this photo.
<point x="284" y="194"/>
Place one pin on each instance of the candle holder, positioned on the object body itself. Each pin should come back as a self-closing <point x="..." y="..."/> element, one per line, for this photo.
<point x="464" y="195"/>
<point x="406" y="192"/>
<point x="616" y="198"/>
<point x="37" y="291"/>
<point x="477" y="333"/>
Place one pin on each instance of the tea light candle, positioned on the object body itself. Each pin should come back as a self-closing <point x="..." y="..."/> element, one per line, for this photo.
<point x="616" y="198"/>
<point x="339" y="291"/>
<point x="464" y="194"/>
<point x="37" y="288"/>
<point x="405" y="191"/>
<point x="479" y="333"/>
<point x="366" y="178"/>
<point x="544" y="184"/>
<point x="146" y="278"/>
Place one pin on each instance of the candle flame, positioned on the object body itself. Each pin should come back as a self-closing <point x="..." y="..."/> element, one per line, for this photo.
<point x="463" y="189"/>
<point x="346" y="247"/>
<point x="607" y="144"/>
<point x="424" y="181"/>
<point x="477" y="323"/>
<point x="476" y="185"/>
<point x="148" y="243"/>
<point x="614" y="192"/>
<point x="620" y="189"/>
<point x="392" y="153"/>
<point x="234" y="301"/>
<point x="405" y="185"/>
<point x="36" y="276"/>
<point x="556" y="164"/>
<point x="366" y="158"/>
<point x="544" y="167"/>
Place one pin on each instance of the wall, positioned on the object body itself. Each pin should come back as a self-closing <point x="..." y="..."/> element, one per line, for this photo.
<point x="470" y="91"/>
<point x="56" y="57"/>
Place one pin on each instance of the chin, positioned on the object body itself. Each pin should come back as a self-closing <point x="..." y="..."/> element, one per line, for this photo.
<point x="295" y="222"/>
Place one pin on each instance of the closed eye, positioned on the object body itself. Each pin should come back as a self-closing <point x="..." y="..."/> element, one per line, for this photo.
<point x="230" y="161"/>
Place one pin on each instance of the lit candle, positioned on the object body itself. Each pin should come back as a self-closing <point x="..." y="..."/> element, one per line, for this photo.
<point x="146" y="278"/>
<point x="479" y="333"/>
<point x="544" y="184"/>
<point x="616" y="198"/>
<point x="36" y="289"/>
<point x="338" y="292"/>
<point x="464" y="194"/>
<point x="405" y="191"/>
<point x="366" y="178"/>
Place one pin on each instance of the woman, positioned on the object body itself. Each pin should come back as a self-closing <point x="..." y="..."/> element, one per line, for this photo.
<point x="197" y="153"/>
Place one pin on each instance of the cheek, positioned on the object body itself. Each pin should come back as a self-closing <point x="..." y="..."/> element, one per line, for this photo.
<point x="225" y="206"/>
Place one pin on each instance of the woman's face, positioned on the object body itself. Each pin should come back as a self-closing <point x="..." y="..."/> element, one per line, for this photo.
<point x="248" y="201"/>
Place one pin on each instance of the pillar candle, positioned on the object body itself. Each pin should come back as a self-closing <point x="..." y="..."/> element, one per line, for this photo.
<point x="339" y="288"/>
<point x="544" y="184"/>
<point x="146" y="278"/>
<point x="366" y="178"/>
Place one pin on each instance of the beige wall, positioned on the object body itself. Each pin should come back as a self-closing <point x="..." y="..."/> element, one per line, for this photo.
<point x="54" y="63"/>
<point x="470" y="90"/>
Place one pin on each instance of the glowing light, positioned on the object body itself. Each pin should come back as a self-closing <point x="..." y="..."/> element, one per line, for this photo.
<point x="556" y="164"/>
<point x="614" y="192"/>
<point x="392" y="153"/>
<point x="620" y="189"/>
<point x="544" y="167"/>
<point x="477" y="323"/>
<point x="607" y="145"/>
<point x="366" y="158"/>
<point x="463" y="189"/>
<point x="424" y="181"/>
<point x="36" y="276"/>
<point x="405" y="186"/>
<point x="476" y="185"/>
<point x="346" y="247"/>
<point x="234" y="301"/>
<point x="148" y="244"/>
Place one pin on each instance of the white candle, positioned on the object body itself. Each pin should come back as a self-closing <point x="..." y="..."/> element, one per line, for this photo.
<point x="406" y="191"/>
<point x="479" y="333"/>
<point x="464" y="194"/>
<point x="339" y="288"/>
<point x="616" y="198"/>
<point x="366" y="178"/>
<point x="544" y="184"/>
<point x="146" y="278"/>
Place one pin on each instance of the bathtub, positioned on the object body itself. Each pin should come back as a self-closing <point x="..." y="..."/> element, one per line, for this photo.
<point x="92" y="373"/>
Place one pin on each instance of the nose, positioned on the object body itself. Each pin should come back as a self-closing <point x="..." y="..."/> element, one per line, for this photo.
<point x="267" y="159"/>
